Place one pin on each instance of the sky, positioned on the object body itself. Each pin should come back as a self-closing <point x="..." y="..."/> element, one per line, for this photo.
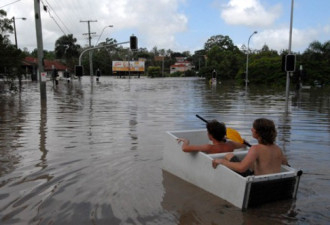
<point x="179" y="25"/>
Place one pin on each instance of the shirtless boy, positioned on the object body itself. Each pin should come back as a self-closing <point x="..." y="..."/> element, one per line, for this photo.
<point x="264" y="158"/>
<point x="217" y="134"/>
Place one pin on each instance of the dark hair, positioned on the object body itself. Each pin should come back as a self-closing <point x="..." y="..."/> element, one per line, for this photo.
<point x="217" y="130"/>
<point x="266" y="130"/>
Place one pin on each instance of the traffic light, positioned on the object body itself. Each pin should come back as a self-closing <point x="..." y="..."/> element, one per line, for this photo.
<point x="290" y="63"/>
<point x="78" y="71"/>
<point x="133" y="42"/>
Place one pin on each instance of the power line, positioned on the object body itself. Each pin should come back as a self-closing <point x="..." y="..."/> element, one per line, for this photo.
<point x="46" y="9"/>
<point x="69" y="19"/>
<point x="58" y="16"/>
<point x="9" y="4"/>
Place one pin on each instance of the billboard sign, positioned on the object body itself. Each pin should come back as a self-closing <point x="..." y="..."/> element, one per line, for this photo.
<point x="132" y="66"/>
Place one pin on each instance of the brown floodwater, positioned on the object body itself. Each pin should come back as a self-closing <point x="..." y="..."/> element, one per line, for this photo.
<point x="92" y="152"/>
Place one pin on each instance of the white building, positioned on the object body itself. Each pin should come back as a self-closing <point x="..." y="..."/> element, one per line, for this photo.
<point x="181" y="65"/>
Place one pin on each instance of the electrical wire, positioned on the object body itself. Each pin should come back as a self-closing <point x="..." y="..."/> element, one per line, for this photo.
<point x="58" y="16"/>
<point x="9" y="4"/>
<point x="47" y="10"/>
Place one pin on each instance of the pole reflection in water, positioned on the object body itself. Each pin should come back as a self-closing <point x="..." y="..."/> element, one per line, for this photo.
<point x="43" y="132"/>
<point x="284" y="130"/>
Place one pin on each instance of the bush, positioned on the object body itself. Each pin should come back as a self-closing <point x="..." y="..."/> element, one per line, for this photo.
<point x="176" y="74"/>
<point x="154" y="71"/>
<point x="190" y="73"/>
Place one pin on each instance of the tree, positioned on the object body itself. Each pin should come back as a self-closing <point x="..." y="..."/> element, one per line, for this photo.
<point x="222" y="56"/>
<point x="154" y="71"/>
<point x="110" y="41"/>
<point x="265" y="51"/>
<point x="223" y="42"/>
<point x="5" y="24"/>
<point x="266" y="70"/>
<point x="318" y="47"/>
<point x="47" y="54"/>
<point x="316" y="62"/>
<point x="10" y="57"/>
<point x="198" y="59"/>
<point x="67" y="49"/>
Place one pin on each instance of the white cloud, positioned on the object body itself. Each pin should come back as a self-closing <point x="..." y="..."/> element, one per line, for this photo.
<point x="326" y="29"/>
<point x="278" y="39"/>
<point x="163" y="23"/>
<point x="156" y="23"/>
<point x="249" y="13"/>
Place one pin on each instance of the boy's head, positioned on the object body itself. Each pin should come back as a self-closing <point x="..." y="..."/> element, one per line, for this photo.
<point x="217" y="130"/>
<point x="266" y="130"/>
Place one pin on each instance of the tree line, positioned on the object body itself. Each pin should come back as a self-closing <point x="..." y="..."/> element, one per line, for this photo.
<point x="219" y="54"/>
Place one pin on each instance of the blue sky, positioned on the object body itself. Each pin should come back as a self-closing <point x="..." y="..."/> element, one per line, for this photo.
<point x="179" y="25"/>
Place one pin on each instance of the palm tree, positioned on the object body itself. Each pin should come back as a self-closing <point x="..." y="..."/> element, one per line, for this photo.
<point x="67" y="49"/>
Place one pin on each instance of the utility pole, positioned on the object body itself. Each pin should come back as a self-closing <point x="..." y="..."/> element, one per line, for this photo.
<point x="42" y="83"/>
<point x="90" y="43"/>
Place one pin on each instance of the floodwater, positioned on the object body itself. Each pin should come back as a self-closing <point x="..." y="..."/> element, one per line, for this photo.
<point x="92" y="153"/>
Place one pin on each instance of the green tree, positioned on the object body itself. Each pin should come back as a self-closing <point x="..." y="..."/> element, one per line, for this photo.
<point x="47" y="54"/>
<point x="10" y="57"/>
<point x="266" y="70"/>
<point x="67" y="49"/>
<point x="5" y="24"/>
<point x="316" y="63"/>
<point x="198" y="59"/>
<point x="154" y="71"/>
<point x="223" y="42"/>
<point x="264" y="67"/>
<point x="222" y="56"/>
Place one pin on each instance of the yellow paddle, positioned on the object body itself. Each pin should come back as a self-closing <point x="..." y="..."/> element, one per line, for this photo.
<point x="231" y="133"/>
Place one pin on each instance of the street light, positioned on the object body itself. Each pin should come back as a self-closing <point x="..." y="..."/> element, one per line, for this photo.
<point x="102" y="33"/>
<point x="13" y="19"/>
<point x="247" y="59"/>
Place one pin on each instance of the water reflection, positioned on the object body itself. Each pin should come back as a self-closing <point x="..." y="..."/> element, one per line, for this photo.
<point x="284" y="129"/>
<point x="12" y="118"/>
<point x="191" y="205"/>
<point x="43" y="132"/>
<point x="92" y="152"/>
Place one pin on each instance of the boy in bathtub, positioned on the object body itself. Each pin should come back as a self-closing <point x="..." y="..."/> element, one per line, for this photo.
<point x="264" y="158"/>
<point x="216" y="132"/>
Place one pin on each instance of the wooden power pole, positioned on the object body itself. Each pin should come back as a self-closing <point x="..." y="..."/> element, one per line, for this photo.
<point x="42" y="82"/>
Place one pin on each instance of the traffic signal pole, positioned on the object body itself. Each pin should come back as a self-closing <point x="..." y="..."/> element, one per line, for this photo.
<point x="89" y="49"/>
<point x="289" y="73"/>
<point x="133" y="46"/>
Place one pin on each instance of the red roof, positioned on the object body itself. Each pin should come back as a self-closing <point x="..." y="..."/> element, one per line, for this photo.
<point x="48" y="64"/>
<point x="180" y="65"/>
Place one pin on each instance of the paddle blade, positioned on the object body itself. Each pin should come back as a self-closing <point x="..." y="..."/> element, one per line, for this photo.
<point x="233" y="135"/>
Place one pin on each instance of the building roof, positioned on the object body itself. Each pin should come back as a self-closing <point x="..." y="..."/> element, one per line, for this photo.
<point x="179" y="65"/>
<point x="48" y="64"/>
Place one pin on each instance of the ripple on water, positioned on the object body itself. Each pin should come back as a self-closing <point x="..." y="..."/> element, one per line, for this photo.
<point x="92" y="153"/>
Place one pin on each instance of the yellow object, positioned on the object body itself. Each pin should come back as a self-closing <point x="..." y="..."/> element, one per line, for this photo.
<point x="234" y="135"/>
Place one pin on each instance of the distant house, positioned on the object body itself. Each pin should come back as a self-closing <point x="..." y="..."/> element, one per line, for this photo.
<point x="181" y="65"/>
<point x="30" y="65"/>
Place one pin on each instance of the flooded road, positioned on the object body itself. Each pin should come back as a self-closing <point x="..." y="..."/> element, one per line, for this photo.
<point x="92" y="153"/>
